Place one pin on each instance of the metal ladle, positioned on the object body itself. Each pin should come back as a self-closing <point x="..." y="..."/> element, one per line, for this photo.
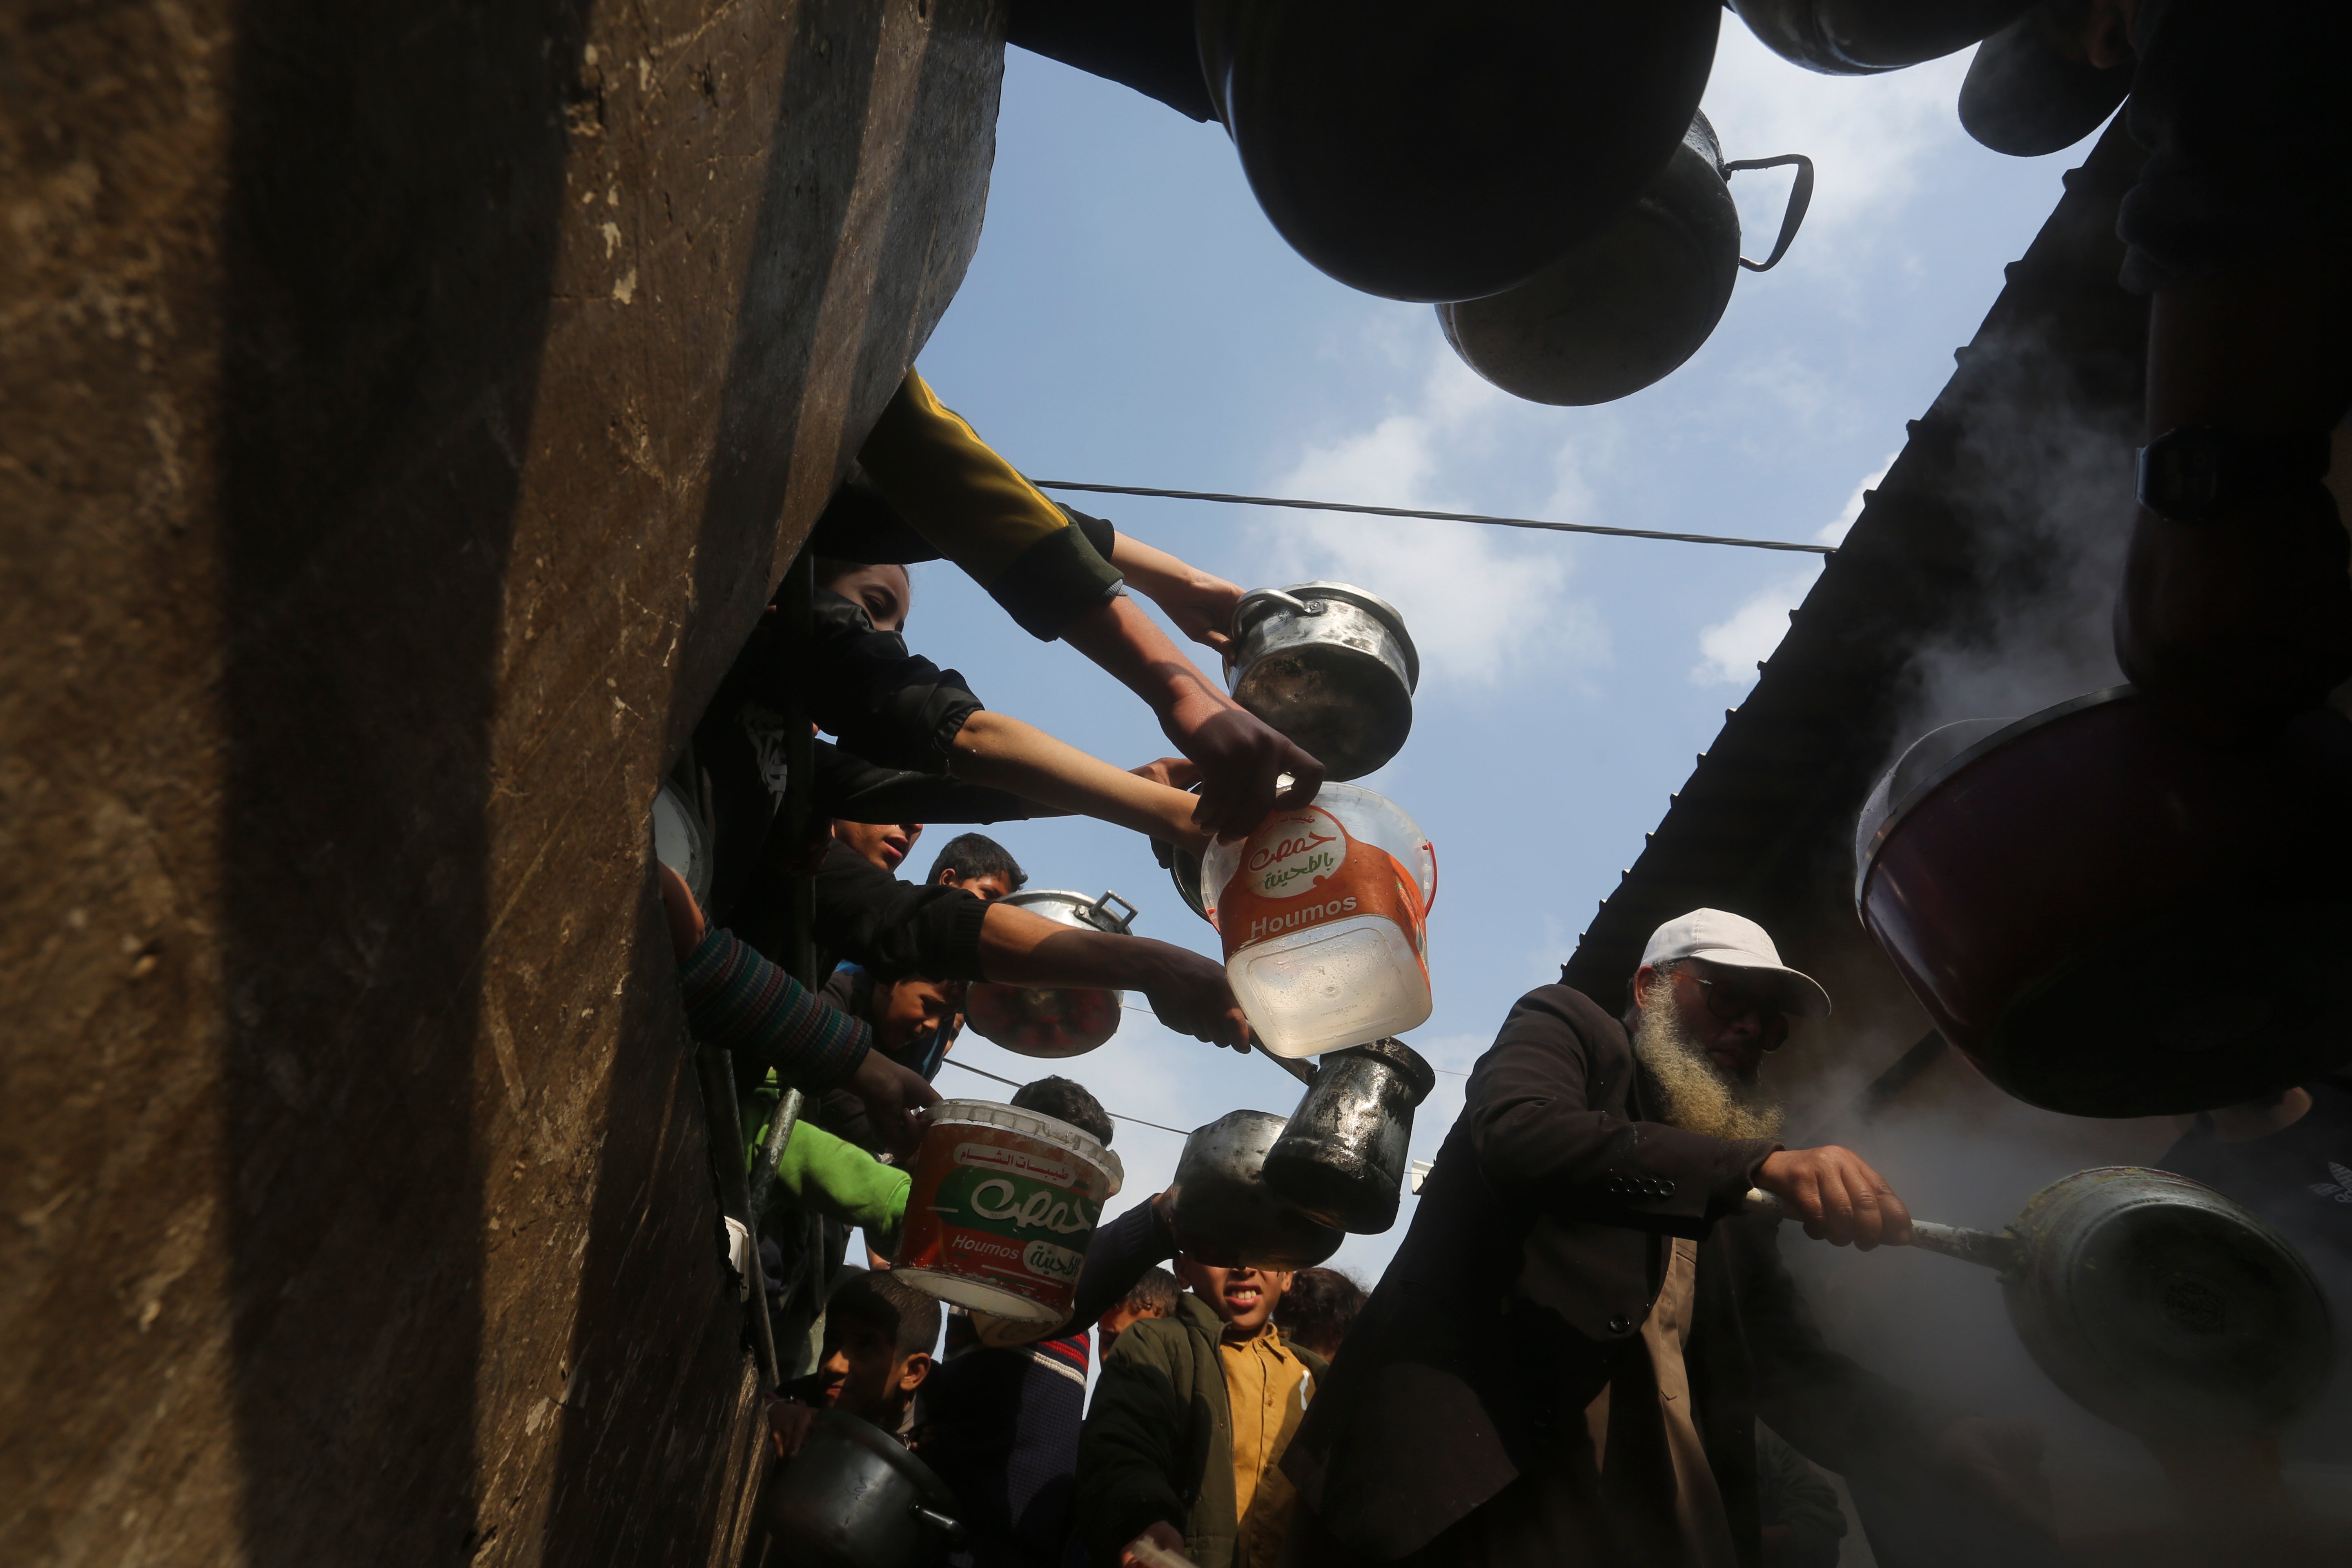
<point x="2154" y="1302"/>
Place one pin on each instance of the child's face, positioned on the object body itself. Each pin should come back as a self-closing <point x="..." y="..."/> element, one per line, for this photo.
<point x="884" y="592"/>
<point x="911" y="1009"/>
<point x="1244" y="1298"/>
<point x="1116" y="1322"/>
<point x="864" y="1374"/>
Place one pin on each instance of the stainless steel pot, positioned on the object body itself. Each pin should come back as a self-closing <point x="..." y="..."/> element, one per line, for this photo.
<point x="1627" y="306"/>
<point x="681" y="840"/>
<point x="1860" y="38"/>
<point x="854" y="1497"/>
<point x="1053" y="1021"/>
<point x="1342" y="1157"/>
<point x="2156" y="1303"/>
<point x="1329" y="666"/>
<point x="2111" y="919"/>
<point x="1435" y="152"/>
<point x="1226" y="1214"/>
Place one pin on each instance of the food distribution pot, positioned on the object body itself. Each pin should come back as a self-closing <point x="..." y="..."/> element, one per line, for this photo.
<point x="1342" y="1157"/>
<point x="855" y="1498"/>
<point x="1436" y="152"/>
<point x="1860" y="37"/>
<point x="2156" y="1303"/>
<point x="2111" y="919"/>
<point x="1627" y="306"/>
<point x="1052" y="1020"/>
<point x="1225" y="1213"/>
<point x="1329" y="666"/>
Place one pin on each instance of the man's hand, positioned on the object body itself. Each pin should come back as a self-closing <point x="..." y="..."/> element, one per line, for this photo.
<point x="894" y="1099"/>
<point x="1191" y="994"/>
<point x="2000" y="1464"/>
<point x="1164" y="1537"/>
<point x="1837" y="1196"/>
<point x="1240" y="758"/>
<point x="788" y="1425"/>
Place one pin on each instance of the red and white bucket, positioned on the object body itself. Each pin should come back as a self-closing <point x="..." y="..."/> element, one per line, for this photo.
<point x="1004" y="1204"/>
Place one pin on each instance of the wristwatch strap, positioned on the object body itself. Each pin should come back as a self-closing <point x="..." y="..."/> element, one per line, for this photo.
<point x="2195" y="471"/>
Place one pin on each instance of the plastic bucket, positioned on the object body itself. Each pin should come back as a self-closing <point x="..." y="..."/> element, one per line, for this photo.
<point x="1004" y="1204"/>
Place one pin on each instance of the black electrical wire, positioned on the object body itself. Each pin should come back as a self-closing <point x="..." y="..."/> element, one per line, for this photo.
<point x="1439" y="516"/>
<point x="1115" y="1115"/>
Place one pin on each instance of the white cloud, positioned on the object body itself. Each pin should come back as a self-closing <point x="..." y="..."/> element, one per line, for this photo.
<point x="1478" y="601"/>
<point x="1730" y="650"/>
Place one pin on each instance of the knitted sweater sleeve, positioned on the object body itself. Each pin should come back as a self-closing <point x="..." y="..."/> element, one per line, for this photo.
<point x="737" y="1001"/>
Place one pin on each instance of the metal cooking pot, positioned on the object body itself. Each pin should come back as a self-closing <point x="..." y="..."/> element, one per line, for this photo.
<point x="1626" y="308"/>
<point x="1052" y="1020"/>
<point x="1329" y="666"/>
<point x="1342" y="1157"/>
<point x="1436" y="152"/>
<point x="1860" y="37"/>
<point x="681" y="840"/>
<point x="1225" y="1213"/>
<point x="2111" y="919"/>
<point x="2156" y="1303"/>
<point x="854" y="1497"/>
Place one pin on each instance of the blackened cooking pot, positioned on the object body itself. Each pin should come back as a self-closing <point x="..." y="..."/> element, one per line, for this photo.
<point x="1860" y="37"/>
<point x="2111" y="919"/>
<point x="2156" y="1302"/>
<point x="1433" y="153"/>
<point x="1331" y="666"/>
<point x="1343" y="1155"/>
<point x="854" y="1497"/>
<point x="1626" y="308"/>
<point x="1223" y="1212"/>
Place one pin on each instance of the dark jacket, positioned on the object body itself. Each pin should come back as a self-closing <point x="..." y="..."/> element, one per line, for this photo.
<point x="1159" y="1442"/>
<point x="1539" y="1247"/>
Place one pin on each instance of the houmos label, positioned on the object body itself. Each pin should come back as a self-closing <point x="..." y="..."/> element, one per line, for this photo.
<point x="1302" y="869"/>
<point x="998" y="1205"/>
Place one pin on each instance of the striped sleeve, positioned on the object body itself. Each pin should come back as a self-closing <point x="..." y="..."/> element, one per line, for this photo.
<point x="978" y="510"/>
<point x="740" y="1002"/>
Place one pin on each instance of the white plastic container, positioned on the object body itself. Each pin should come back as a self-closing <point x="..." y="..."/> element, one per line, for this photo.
<point x="1323" y="913"/>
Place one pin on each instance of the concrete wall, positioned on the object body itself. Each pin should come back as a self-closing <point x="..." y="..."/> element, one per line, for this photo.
<point x="408" y="407"/>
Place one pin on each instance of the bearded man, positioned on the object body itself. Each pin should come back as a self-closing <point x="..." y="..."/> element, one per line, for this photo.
<point x="1566" y="1362"/>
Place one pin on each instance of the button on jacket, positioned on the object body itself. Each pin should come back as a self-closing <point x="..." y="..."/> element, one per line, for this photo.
<point x="1541" y="1240"/>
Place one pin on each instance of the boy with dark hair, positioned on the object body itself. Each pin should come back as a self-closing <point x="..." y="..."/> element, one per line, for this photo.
<point x="1066" y="1100"/>
<point x="1318" y="1307"/>
<point x="1154" y="1296"/>
<point x="1191" y="1417"/>
<point x="979" y="864"/>
<point x="878" y="1335"/>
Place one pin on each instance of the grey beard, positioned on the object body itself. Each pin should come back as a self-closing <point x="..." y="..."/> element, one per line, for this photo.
<point x="1699" y="1096"/>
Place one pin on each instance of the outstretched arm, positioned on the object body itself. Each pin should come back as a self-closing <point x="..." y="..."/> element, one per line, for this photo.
<point x="1007" y="753"/>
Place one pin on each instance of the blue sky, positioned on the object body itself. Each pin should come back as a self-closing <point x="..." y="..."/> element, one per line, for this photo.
<point x="1131" y="318"/>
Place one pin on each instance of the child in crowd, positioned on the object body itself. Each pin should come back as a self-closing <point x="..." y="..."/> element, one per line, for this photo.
<point x="1318" y="1308"/>
<point x="1154" y="1296"/>
<point x="1190" y="1417"/>
<point x="1001" y="1419"/>
<point x="878" y="1335"/>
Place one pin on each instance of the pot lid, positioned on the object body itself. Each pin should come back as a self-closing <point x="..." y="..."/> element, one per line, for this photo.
<point x="1252" y="604"/>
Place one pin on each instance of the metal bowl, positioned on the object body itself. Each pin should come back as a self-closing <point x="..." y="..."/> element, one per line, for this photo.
<point x="1342" y="1157"/>
<point x="1329" y="666"/>
<point x="1053" y="1021"/>
<point x="1225" y="1213"/>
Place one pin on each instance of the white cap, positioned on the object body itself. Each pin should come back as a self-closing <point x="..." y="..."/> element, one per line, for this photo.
<point x="1737" y="942"/>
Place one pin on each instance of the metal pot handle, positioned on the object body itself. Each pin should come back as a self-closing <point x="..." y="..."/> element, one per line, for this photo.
<point x="1102" y="908"/>
<point x="1271" y="597"/>
<point x="1801" y="197"/>
<point x="951" y="1529"/>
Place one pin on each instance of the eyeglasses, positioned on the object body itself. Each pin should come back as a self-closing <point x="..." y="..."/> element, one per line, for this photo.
<point x="1732" y="1001"/>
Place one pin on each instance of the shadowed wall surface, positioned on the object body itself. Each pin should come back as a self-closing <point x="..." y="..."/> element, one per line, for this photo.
<point x="408" y="410"/>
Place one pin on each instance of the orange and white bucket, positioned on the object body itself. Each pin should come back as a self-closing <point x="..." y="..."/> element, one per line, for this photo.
<point x="1004" y="1204"/>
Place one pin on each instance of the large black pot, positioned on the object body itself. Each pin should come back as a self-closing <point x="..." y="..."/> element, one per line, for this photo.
<point x="1860" y="38"/>
<point x="1446" y="151"/>
<point x="2111" y="919"/>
